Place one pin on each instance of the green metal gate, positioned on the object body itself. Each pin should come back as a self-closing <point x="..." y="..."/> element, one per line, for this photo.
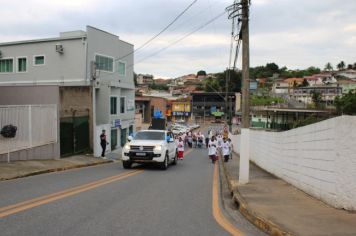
<point x="74" y="135"/>
<point x="113" y="139"/>
<point x="123" y="137"/>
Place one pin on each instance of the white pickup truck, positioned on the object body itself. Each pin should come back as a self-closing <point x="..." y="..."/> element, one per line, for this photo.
<point x="150" y="146"/>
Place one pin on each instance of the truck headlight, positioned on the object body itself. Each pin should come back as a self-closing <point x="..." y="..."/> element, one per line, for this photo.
<point x="127" y="147"/>
<point x="157" y="148"/>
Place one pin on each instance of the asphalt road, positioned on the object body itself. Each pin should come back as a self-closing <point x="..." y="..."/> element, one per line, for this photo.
<point x="149" y="201"/>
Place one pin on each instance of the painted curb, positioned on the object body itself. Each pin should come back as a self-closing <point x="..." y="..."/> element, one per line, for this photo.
<point x="57" y="170"/>
<point x="262" y="223"/>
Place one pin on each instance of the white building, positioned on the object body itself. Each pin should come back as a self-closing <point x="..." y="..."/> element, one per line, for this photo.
<point x="328" y="93"/>
<point x="88" y="75"/>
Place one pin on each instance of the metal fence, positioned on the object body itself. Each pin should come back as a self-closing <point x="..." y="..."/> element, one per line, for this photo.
<point x="37" y="125"/>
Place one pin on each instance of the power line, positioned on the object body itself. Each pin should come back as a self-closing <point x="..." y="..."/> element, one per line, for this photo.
<point x="180" y="39"/>
<point x="163" y="30"/>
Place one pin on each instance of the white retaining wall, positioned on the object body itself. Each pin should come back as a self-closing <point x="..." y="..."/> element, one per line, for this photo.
<point x="319" y="159"/>
<point x="37" y="125"/>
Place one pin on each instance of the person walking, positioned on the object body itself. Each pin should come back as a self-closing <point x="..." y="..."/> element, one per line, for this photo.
<point x="207" y="141"/>
<point x="212" y="149"/>
<point x="103" y="142"/>
<point x="225" y="148"/>
<point x="180" y="148"/>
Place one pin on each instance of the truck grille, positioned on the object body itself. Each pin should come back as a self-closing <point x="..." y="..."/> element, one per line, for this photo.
<point x="145" y="148"/>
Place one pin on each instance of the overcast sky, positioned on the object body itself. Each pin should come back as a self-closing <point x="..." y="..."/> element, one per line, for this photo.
<point x="291" y="33"/>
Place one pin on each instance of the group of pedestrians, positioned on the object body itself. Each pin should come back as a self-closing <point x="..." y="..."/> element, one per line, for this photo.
<point x="219" y="143"/>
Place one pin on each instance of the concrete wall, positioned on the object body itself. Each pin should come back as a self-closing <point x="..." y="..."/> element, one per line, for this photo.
<point x="77" y="101"/>
<point x="28" y="95"/>
<point x="68" y="67"/>
<point x="319" y="159"/>
<point x="31" y="95"/>
<point x="158" y="103"/>
<point x="103" y="43"/>
<point x="128" y="118"/>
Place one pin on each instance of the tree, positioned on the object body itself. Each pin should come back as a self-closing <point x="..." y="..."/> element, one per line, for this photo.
<point x="272" y="67"/>
<point x="349" y="66"/>
<point x="201" y="72"/>
<point x="305" y="83"/>
<point x="316" y="97"/>
<point x="346" y="104"/>
<point x="219" y="83"/>
<point x="341" y="65"/>
<point x="328" y="66"/>
<point x="295" y="84"/>
<point x="354" y="66"/>
<point x="312" y="70"/>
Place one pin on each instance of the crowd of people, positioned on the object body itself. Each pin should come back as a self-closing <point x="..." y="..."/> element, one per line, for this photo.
<point x="217" y="142"/>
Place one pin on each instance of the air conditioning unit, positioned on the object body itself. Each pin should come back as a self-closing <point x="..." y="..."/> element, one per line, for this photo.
<point x="96" y="84"/>
<point x="59" y="48"/>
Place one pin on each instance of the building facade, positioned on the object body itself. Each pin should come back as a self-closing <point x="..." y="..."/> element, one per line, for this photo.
<point x="90" y="71"/>
<point x="146" y="106"/>
<point x="328" y="93"/>
<point x="204" y="104"/>
<point x="144" y="79"/>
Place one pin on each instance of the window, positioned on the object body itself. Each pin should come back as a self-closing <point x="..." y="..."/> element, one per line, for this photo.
<point x="121" y="68"/>
<point x="6" y="65"/>
<point x="122" y="105"/>
<point x="39" y="60"/>
<point x="149" y="135"/>
<point x="104" y="63"/>
<point x="113" y="105"/>
<point x="22" y="64"/>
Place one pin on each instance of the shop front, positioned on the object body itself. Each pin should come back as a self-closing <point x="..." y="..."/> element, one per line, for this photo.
<point x="181" y="111"/>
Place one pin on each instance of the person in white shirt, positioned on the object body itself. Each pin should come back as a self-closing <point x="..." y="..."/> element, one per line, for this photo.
<point x="225" y="148"/>
<point x="180" y="148"/>
<point x="212" y="149"/>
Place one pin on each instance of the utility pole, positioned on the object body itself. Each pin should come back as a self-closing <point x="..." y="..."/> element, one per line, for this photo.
<point x="226" y="89"/>
<point x="240" y="9"/>
<point x="245" y="65"/>
<point x="245" y="132"/>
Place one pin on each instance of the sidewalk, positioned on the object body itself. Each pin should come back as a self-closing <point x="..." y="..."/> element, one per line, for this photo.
<point x="18" y="169"/>
<point x="278" y="208"/>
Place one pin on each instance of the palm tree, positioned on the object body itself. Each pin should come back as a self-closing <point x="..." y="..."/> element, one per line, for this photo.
<point x="341" y="65"/>
<point x="328" y="66"/>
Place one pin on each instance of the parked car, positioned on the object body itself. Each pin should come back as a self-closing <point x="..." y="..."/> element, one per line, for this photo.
<point x="194" y="126"/>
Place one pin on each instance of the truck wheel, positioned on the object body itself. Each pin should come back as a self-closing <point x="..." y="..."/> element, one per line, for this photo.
<point x="175" y="159"/>
<point x="126" y="164"/>
<point x="164" y="164"/>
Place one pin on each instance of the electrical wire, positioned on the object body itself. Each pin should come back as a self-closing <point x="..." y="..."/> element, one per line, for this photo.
<point x="180" y="39"/>
<point x="163" y="30"/>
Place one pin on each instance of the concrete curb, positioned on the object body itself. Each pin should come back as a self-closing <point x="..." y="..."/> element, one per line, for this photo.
<point x="262" y="223"/>
<point x="57" y="170"/>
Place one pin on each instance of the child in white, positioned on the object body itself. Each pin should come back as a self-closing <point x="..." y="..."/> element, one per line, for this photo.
<point x="212" y="149"/>
<point x="180" y="148"/>
<point x="225" y="146"/>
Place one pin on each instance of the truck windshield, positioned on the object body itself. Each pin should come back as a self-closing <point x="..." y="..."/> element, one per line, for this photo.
<point x="150" y="135"/>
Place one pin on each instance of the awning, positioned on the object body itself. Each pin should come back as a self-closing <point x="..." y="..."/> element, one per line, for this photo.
<point x="217" y="113"/>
